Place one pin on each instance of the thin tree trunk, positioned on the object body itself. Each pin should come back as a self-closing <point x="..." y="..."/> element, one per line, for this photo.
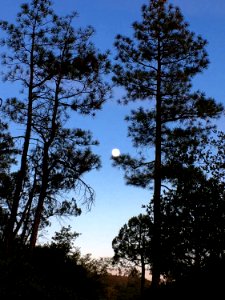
<point x="9" y="234"/>
<point x="45" y="170"/>
<point x="40" y="205"/>
<point x="26" y="213"/>
<point x="142" y="276"/>
<point x="156" y="247"/>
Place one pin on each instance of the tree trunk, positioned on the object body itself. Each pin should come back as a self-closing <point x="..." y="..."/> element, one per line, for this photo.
<point x="156" y="247"/>
<point x="142" y="276"/>
<point x="45" y="169"/>
<point x="40" y="205"/>
<point x="9" y="234"/>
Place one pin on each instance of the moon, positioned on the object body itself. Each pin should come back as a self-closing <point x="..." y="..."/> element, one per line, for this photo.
<point x="115" y="152"/>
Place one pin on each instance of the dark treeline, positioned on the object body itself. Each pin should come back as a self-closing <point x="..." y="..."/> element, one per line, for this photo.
<point x="180" y="240"/>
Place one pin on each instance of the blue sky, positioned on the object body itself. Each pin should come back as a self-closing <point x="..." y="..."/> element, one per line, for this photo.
<point x="115" y="202"/>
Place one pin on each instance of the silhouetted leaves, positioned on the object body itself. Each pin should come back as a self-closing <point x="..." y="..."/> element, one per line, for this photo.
<point x="158" y="64"/>
<point x="59" y="70"/>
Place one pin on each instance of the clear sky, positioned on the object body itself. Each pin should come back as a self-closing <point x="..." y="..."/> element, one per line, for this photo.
<point x="115" y="202"/>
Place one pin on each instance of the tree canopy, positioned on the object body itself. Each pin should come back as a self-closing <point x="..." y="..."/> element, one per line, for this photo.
<point x="133" y="244"/>
<point x="157" y="65"/>
<point x="60" y="71"/>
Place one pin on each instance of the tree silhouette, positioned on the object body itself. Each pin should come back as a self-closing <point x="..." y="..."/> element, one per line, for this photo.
<point x="133" y="244"/>
<point x="8" y="154"/>
<point x="157" y="65"/>
<point x="60" y="70"/>
<point x="193" y="224"/>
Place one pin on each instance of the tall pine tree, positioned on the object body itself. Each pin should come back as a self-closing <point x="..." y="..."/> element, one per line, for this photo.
<point x="60" y="70"/>
<point x="156" y="67"/>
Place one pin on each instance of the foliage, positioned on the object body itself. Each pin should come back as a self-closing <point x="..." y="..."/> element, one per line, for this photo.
<point x="193" y="224"/>
<point x="48" y="274"/>
<point x="60" y="71"/>
<point x="64" y="239"/>
<point x="133" y="244"/>
<point x="157" y="65"/>
<point x="133" y="240"/>
<point x="182" y="112"/>
<point x="8" y="154"/>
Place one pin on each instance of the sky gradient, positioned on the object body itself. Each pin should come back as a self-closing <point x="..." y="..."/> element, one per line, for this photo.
<point x="115" y="202"/>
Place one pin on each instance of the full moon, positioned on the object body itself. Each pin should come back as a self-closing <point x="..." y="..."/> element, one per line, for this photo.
<point x="115" y="152"/>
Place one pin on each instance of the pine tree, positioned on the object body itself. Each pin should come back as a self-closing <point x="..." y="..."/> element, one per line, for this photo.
<point x="156" y="67"/>
<point x="26" y="42"/>
<point x="60" y="70"/>
<point x="133" y="244"/>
